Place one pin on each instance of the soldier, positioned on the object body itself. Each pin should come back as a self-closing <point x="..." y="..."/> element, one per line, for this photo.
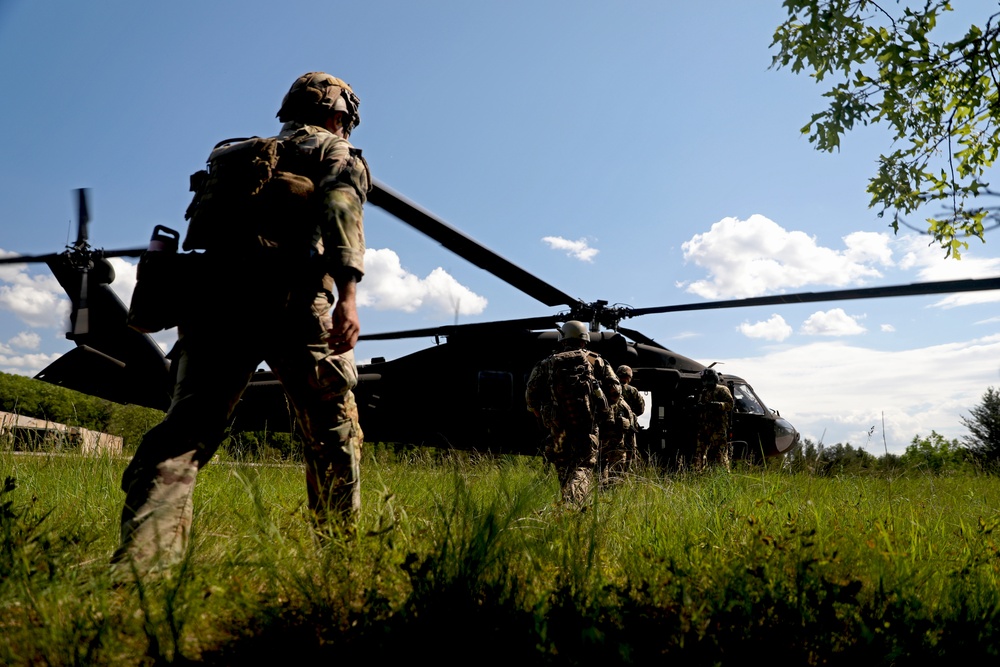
<point x="570" y="392"/>
<point x="617" y="436"/>
<point x="277" y="272"/>
<point x="636" y="402"/>
<point x="630" y="393"/>
<point x="712" y="411"/>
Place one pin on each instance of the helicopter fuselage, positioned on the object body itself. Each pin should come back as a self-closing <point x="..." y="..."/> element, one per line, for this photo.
<point x="468" y="393"/>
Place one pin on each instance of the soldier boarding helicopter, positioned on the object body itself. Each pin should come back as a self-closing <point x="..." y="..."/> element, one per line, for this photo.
<point x="487" y="363"/>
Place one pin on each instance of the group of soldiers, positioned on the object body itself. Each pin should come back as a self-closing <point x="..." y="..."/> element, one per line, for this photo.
<point x="591" y="414"/>
<point x="279" y="224"/>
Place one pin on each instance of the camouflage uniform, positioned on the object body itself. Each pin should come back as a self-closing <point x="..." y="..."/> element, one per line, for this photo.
<point x="637" y="403"/>
<point x="280" y="299"/>
<point x="617" y="435"/>
<point x="573" y="444"/>
<point x="713" y="412"/>
<point x="634" y="399"/>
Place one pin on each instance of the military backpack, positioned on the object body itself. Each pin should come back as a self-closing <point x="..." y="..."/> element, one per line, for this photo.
<point x="577" y="397"/>
<point x="243" y="195"/>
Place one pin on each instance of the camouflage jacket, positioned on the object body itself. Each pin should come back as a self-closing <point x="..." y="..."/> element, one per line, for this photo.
<point x="343" y="180"/>
<point x="538" y="394"/>
<point x="634" y="399"/>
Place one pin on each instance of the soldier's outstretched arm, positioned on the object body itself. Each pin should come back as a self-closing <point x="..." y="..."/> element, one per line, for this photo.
<point x="346" y="327"/>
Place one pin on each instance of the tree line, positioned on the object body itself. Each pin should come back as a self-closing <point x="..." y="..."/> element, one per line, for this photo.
<point x="40" y="400"/>
<point x="934" y="453"/>
<point x="979" y="450"/>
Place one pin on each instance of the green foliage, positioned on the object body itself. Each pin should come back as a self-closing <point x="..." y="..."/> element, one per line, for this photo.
<point x="469" y="556"/>
<point x="28" y="548"/>
<point x="984" y="429"/>
<point x="41" y="400"/>
<point x="262" y="446"/>
<point x="830" y="460"/>
<point x="935" y="454"/>
<point x="937" y="96"/>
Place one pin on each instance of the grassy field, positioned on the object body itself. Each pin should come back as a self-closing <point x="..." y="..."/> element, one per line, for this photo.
<point x="468" y="559"/>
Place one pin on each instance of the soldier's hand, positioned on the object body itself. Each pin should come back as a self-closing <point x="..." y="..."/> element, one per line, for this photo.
<point x="345" y="328"/>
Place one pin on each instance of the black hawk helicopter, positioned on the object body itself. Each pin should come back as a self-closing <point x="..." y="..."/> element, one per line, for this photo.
<point x="478" y="401"/>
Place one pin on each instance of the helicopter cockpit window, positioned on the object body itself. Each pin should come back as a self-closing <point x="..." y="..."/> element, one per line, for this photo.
<point x="745" y="401"/>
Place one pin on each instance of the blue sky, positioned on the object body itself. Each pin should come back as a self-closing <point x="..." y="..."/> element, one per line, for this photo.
<point x="638" y="152"/>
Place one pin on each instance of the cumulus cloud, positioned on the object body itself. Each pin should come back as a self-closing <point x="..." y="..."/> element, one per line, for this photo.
<point x="775" y="329"/>
<point x="930" y="264"/>
<point x="25" y="364"/>
<point x="887" y="328"/>
<point x="747" y="258"/>
<point x="124" y="282"/>
<point x="833" y="322"/>
<point x="26" y="340"/>
<point x="579" y="249"/>
<point x="388" y="286"/>
<point x="37" y="300"/>
<point x="838" y="392"/>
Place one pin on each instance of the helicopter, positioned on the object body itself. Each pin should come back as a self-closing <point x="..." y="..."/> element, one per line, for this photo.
<point x="482" y="368"/>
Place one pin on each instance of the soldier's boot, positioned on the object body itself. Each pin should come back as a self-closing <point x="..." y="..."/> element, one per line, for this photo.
<point x="576" y="491"/>
<point x="333" y="477"/>
<point x="156" y="518"/>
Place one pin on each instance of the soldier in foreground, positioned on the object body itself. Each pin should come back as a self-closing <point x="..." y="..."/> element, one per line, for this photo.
<point x="570" y="392"/>
<point x="282" y="256"/>
<point x="712" y="411"/>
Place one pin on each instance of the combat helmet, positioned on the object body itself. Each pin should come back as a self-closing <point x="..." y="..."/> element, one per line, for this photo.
<point x="710" y="377"/>
<point x="623" y="371"/>
<point x="316" y="94"/>
<point x="574" y="329"/>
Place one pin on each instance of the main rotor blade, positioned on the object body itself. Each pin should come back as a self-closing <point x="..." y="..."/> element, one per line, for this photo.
<point x="464" y="246"/>
<point x="914" y="289"/>
<point x="527" y="323"/>
<point x="128" y="252"/>
<point x="29" y="259"/>
<point x="32" y="259"/>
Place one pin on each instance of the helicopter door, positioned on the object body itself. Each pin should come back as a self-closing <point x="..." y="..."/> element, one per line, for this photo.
<point x="495" y="390"/>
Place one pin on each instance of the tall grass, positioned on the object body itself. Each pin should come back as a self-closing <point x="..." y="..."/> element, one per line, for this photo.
<point x="460" y="557"/>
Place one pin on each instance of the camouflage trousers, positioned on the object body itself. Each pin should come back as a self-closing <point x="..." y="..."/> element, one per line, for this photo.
<point x="213" y="367"/>
<point x="712" y="448"/>
<point x="617" y="457"/>
<point x="574" y="455"/>
<point x="618" y="444"/>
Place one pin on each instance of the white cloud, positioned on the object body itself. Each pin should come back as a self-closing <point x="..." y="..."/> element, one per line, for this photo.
<point x="388" y="286"/>
<point x="579" y="249"/>
<point x="26" y="340"/>
<point x="931" y="265"/>
<point x="834" y="322"/>
<point x="887" y="328"/>
<point x="747" y="258"/>
<point x="26" y="364"/>
<point x="838" y="392"/>
<point x="774" y="328"/>
<point x="124" y="282"/>
<point x="37" y="300"/>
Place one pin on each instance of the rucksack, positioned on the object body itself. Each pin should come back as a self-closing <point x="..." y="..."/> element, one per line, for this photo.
<point x="576" y="394"/>
<point x="242" y="193"/>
